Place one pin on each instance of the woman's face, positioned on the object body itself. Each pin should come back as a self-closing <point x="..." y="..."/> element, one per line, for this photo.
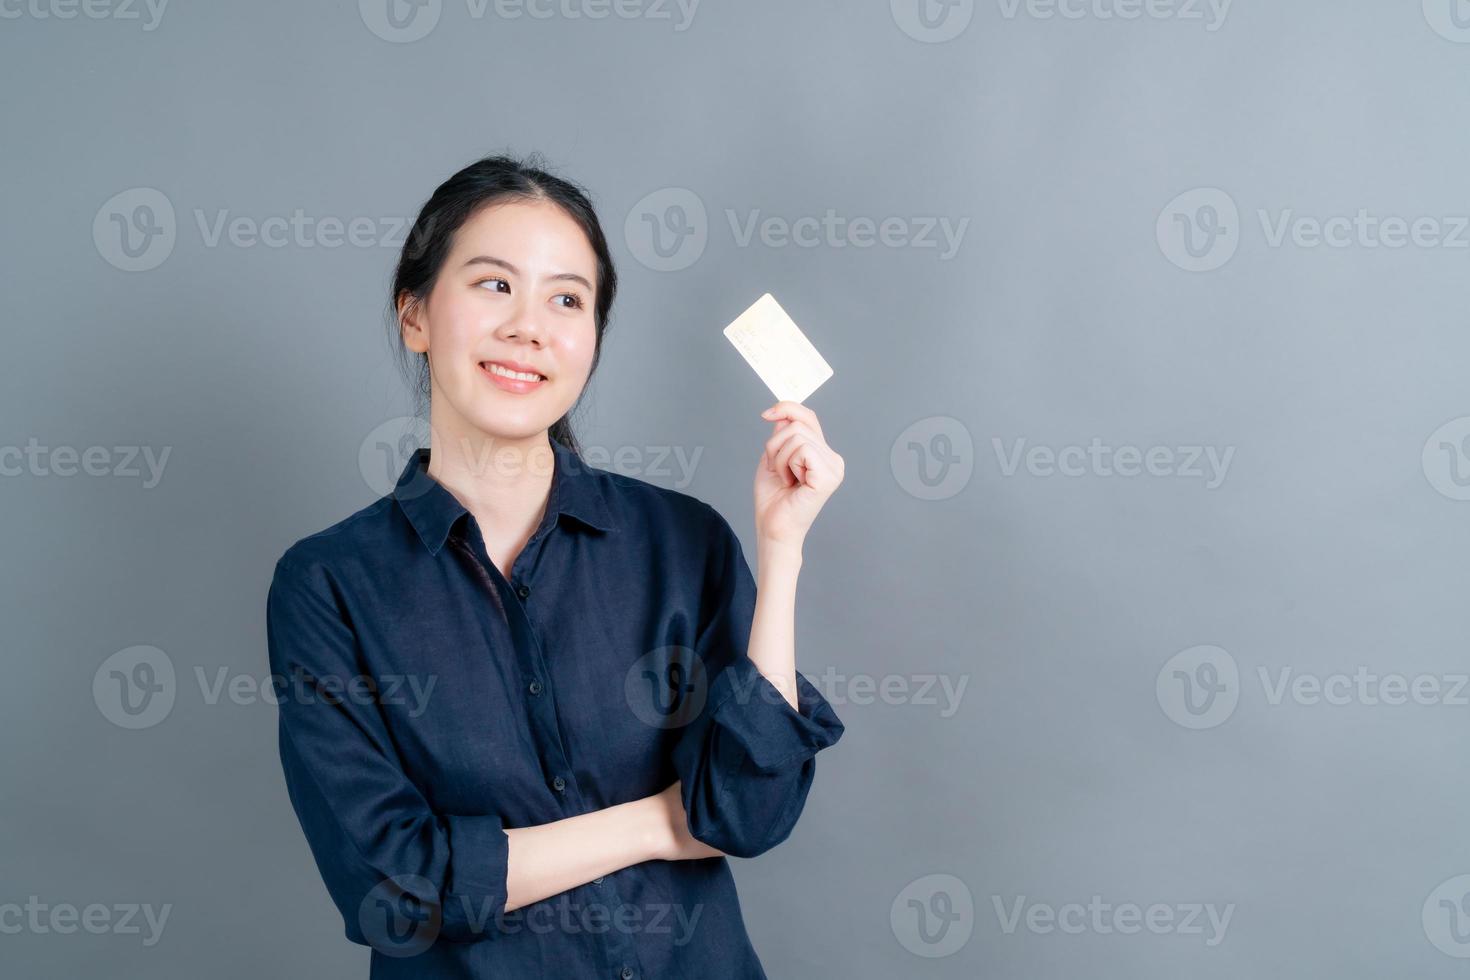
<point x="515" y="293"/>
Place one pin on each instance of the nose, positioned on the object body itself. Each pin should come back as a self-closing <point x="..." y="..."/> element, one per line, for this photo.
<point x="522" y="325"/>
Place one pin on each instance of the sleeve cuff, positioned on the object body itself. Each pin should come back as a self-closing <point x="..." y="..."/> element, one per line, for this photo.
<point x="754" y="712"/>
<point x="475" y="891"/>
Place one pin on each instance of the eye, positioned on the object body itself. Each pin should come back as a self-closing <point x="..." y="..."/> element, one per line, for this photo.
<point x="576" y="304"/>
<point x="494" y="279"/>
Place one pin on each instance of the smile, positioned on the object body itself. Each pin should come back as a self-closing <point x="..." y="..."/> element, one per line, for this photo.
<point x="508" y="379"/>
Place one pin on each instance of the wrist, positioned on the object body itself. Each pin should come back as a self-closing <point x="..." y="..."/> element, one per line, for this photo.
<point x="653" y="827"/>
<point x="774" y="553"/>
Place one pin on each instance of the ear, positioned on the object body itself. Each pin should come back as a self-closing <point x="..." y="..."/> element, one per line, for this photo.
<point x="411" y="323"/>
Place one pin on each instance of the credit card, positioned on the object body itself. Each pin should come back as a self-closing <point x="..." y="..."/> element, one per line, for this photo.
<point x="772" y="344"/>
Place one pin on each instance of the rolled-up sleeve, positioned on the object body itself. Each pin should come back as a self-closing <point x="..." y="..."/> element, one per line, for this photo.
<point x="373" y="835"/>
<point x="747" y="759"/>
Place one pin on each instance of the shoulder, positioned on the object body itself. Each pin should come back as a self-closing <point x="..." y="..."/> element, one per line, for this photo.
<point x="643" y="505"/>
<point x="688" y="533"/>
<point x="322" y="552"/>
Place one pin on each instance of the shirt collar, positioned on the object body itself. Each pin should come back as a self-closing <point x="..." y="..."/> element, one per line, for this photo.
<point x="433" y="510"/>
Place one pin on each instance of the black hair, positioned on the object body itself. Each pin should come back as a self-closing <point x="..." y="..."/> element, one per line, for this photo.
<point x="486" y="182"/>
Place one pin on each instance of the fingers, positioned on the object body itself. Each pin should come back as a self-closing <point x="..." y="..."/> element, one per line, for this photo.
<point x="784" y="430"/>
<point x="797" y="451"/>
<point x="808" y="460"/>
<point x="796" y="412"/>
<point x="794" y="458"/>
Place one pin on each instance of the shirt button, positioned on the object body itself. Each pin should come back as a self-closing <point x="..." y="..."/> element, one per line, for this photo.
<point x="534" y="687"/>
<point x="558" y="784"/>
<point x="523" y="590"/>
<point x="626" y="973"/>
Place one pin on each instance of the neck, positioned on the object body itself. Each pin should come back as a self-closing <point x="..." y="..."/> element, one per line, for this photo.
<point x="504" y="482"/>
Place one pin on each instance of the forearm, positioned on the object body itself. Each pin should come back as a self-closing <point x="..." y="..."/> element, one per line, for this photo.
<point x="773" y="626"/>
<point x="550" y="858"/>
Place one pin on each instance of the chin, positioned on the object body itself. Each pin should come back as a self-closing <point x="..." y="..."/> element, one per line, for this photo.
<point x="513" y="427"/>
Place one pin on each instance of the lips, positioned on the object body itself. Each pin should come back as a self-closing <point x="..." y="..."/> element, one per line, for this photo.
<point x="517" y="366"/>
<point x="517" y="385"/>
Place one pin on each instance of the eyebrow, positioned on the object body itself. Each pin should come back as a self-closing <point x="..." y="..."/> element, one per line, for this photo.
<point x="492" y="260"/>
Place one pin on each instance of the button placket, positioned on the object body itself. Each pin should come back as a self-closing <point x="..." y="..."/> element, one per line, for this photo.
<point x="542" y="713"/>
<point x="527" y="648"/>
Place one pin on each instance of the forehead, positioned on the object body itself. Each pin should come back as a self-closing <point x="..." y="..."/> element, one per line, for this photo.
<point x="526" y="233"/>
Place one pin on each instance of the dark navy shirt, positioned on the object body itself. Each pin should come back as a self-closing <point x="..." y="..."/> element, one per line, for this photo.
<point x="427" y="702"/>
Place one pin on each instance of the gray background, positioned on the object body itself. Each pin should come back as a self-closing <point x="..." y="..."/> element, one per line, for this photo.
<point x="1069" y="768"/>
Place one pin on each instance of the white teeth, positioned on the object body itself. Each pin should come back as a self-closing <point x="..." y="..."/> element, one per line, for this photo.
<point x="508" y="373"/>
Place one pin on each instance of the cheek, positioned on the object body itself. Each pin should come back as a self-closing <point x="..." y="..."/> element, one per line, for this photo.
<point x="574" y="348"/>
<point x="459" y="326"/>
<point x="452" y="328"/>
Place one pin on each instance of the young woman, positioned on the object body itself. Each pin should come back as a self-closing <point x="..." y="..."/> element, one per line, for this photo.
<point x="530" y="705"/>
